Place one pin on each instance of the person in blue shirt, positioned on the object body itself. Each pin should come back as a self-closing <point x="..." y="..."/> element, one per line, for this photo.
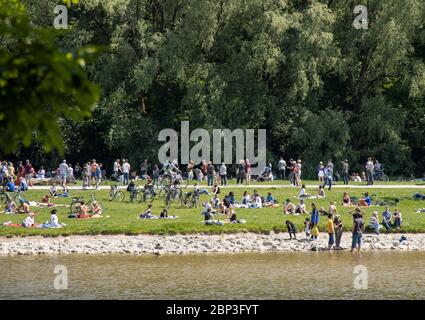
<point x="10" y="186"/>
<point x="314" y="219"/>
<point x="386" y="219"/>
<point x="270" y="198"/>
<point x="328" y="177"/>
<point x="23" y="185"/>
<point x="367" y="199"/>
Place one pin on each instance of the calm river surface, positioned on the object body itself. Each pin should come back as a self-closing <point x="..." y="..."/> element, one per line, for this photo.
<point x="312" y="275"/>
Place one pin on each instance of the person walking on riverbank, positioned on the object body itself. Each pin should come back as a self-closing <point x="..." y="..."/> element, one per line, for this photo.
<point x="314" y="221"/>
<point x="330" y="229"/>
<point x="357" y="232"/>
<point x="339" y="229"/>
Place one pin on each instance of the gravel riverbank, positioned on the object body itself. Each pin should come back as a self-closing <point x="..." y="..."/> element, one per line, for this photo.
<point x="184" y="244"/>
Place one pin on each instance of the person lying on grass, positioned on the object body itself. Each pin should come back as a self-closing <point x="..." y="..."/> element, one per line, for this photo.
<point x="289" y="207"/>
<point x="65" y="193"/>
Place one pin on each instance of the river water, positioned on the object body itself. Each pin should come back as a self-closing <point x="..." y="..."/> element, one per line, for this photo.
<point x="312" y="275"/>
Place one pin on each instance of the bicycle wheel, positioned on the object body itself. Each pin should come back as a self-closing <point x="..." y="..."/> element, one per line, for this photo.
<point x="3" y="197"/>
<point x="74" y="207"/>
<point x="119" y="196"/>
<point x="385" y="178"/>
<point x="163" y="192"/>
<point x="112" y="194"/>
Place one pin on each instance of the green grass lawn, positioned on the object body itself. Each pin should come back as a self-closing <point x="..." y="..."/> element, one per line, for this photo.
<point x="123" y="216"/>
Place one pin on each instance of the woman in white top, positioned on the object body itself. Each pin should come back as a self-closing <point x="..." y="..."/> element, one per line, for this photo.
<point x="321" y="171"/>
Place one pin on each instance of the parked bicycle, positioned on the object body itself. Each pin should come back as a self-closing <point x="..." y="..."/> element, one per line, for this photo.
<point x="379" y="175"/>
<point x="190" y="199"/>
<point x="115" y="194"/>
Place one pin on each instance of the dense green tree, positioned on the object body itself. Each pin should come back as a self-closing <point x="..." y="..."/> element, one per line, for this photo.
<point x="321" y="88"/>
<point x="38" y="82"/>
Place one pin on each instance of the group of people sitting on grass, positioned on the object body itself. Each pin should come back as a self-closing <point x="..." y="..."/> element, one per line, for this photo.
<point x="226" y="208"/>
<point x="147" y="214"/>
<point x="389" y="221"/>
<point x="29" y="222"/>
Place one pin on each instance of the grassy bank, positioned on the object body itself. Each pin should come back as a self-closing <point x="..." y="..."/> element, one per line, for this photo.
<point x="123" y="216"/>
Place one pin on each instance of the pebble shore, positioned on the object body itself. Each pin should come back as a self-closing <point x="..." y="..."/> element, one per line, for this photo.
<point x="197" y="243"/>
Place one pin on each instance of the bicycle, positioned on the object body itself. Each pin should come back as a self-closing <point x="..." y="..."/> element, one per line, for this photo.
<point x="379" y="175"/>
<point x="4" y="196"/>
<point x="149" y="194"/>
<point x="116" y="194"/>
<point x="136" y="195"/>
<point x="74" y="207"/>
<point x="194" y="199"/>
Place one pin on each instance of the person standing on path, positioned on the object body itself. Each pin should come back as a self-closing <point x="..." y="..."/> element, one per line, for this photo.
<point x="247" y="172"/>
<point x="223" y="174"/>
<point x="126" y="171"/>
<point x="281" y="168"/>
<point x="345" y="171"/>
<point x="328" y="177"/>
<point x="370" y="170"/>
<point x="63" y="171"/>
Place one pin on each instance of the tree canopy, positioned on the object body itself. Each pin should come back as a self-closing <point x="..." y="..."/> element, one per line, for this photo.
<point x="299" y="69"/>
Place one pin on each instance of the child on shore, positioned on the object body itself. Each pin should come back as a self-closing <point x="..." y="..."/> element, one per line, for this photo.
<point x="307" y="228"/>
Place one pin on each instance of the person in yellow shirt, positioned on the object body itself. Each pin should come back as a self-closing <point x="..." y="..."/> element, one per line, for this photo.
<point x="330" y="229"/>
